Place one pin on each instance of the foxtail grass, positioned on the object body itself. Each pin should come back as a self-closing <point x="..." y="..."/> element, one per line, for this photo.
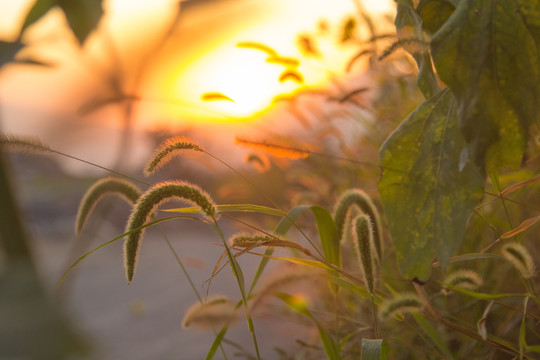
<point x="248" y="242"/>
<point x="363" y="244"/>
<point x="520" y="258"/>
<point x="23" y="144"/>
<point x="464" y="278"/>
<point x="342" y="213"/>
<point x="145" y="207"/>
<point x="216" y="312"/>
<point x="401" y="303"/>
<point x="167" y="150"/>
<point x="107" y="186"/>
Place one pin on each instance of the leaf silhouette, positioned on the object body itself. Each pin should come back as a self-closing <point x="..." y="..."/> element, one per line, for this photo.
<point x="82" y="15"/>
<point x="213" y="96"/>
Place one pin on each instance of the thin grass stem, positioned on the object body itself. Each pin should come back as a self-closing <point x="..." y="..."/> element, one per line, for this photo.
<point x="237" y="271"/>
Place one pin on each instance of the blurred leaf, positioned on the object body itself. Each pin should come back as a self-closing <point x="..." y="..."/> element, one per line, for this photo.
<point x="434" y="13"/>
<point x="291" y="75"/>
<point x="215" y="96"/>
<point x="427" y="192"/>
<point x="489" y="55"/>
<point x="348" y="30"/>
<point x="40" y="8"/>
<point x="409" y="26"/>
<point x="8" y="51"/>
<point x="374" y="349"/>
<point x="32" y="326"/>
<point x="430" y="331"/>
<point x="82" y="15"/>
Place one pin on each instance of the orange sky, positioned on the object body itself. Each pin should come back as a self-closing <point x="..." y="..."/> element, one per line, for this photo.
<point x="200" y="57"/>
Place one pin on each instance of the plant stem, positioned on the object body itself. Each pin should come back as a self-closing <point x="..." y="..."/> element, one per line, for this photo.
<point x="374" y="312"/>
<point x="237" y="272"/>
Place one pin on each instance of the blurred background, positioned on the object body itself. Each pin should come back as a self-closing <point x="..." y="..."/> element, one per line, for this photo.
<point x="300" y="73"/>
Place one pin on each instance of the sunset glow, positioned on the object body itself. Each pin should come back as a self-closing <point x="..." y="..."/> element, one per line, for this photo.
<point x="246" y="75"/>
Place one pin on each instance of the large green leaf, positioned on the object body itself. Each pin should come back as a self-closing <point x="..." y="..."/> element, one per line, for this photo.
<point x="409" y="29"/>
<point x="429" y="187"/>
<point x="488" y="54"/>
<point x="82" y="15"/>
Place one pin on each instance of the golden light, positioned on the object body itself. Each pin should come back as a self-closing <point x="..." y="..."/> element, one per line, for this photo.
<point x="246" y="76"/>
<point x="243" y="75"/>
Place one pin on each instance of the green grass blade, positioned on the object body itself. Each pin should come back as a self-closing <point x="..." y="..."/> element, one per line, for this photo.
<point x="484" y="296"/>
<point x="328" y="234"/>
<point x="217" y="342"/>
<point x="233" y="208"/>
<point x="523" y="329"/>
<point x="430" y="331"/>
<point x="311" y="263"/>
<point x="374" y="349"/>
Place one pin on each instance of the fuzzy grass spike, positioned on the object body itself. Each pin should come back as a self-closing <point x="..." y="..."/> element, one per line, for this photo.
<point x="357" y="197"/>
<point x="216" y="312"/>
<point x="247" y="241"/>
<point x="167" y="150"/>
<point x="401" y="303"/>
<point x="146" y="205"/>
<point x="100" y="189"/>
<point x="521" y="258"/>
<point x="464" y="278"/>
<point x="363" y="240"/>
<point x="22" y="144"/>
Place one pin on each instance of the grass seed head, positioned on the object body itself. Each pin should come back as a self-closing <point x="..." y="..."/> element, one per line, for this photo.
<point x="401" y="303"/>
<point x="363" y="240"/>
<point x="23" y="144"/>
<point x="101" y="188"/>
<point x="169" y="149"/>
<point x="520" y="257"/>
<point x="464" y="278"/>
<point x="216" y="312"/>
<point x="146" y="205"/>
<point x="342" y="213"/>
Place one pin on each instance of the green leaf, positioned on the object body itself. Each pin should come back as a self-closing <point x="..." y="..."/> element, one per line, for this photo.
<point x="434" y="13"/>
<point x="328" y="234"/>
<point x="428" y="188"/>
<point x="8" y="51"/>
<point x="82" y="16"/>
<point x="488" y="54"/>
<point x="374" y="349"/>
<point x="40" y="8"/>
<point x="409" y="26"/>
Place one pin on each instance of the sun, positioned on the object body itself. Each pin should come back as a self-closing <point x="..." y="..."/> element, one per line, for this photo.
<point x="245" y="78"/>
